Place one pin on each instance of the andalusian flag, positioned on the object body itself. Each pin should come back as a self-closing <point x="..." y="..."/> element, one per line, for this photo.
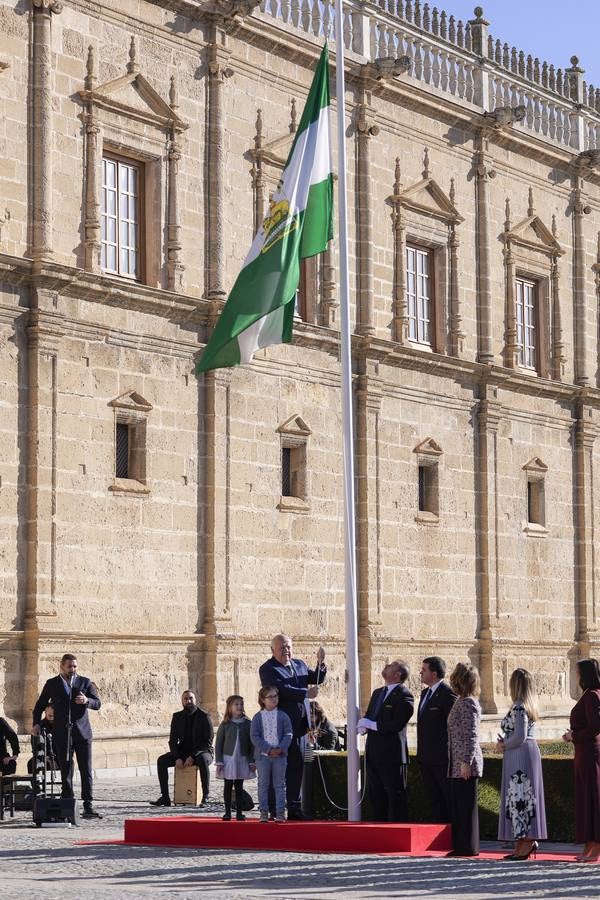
<point x="260" y="309"/>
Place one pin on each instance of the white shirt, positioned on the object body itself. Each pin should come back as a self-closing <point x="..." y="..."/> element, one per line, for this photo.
<point x="269" y="724"/>
<point x="432" y="688"/>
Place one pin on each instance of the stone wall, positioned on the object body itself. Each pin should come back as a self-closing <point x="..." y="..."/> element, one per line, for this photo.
<point x="181" y="578"/>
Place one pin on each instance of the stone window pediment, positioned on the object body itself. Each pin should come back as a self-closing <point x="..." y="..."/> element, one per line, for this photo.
<point x="133" y="96"/>
<point x="428" y="447"/>
<point x="428" y="198"/>
<point x="532" y="234"/>
<point x="295" y="427"/>
<point x="132" y="402"/>
<point x="536" y="466"/>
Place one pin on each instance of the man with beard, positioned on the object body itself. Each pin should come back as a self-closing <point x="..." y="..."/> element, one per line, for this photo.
<point x="190" y="744"/>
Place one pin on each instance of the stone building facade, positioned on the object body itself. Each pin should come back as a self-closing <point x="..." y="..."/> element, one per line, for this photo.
<point x="164" y="527"/>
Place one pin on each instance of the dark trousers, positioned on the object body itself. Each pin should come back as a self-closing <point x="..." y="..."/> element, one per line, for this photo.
<point x="437" y="787"/>
<point x="464" y="814"/>
<point x="167" y="761"/>
<point x="82" y="751"/>
<point x="387" y="791"/>
<point x="293" y="774"/>
<point x="228" y="786"/>
<point x="9" y="768"/>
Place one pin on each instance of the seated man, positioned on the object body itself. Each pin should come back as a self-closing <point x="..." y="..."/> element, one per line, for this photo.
<point x="190" y="743"/>
<point x="43" y="743"/>
<point x="8" y="761"/>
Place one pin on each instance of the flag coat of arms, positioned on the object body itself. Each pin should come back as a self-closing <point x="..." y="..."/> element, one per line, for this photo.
<point x="259" y="311"/>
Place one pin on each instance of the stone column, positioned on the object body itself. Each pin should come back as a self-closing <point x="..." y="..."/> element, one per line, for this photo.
<point x="175" y="267"/>
<point x="44" y="331"/>
<point x="218" y="70"/>
<point x="364" y="312"/>
<point x="579" y="297"/>
<point x="484" y="287"/>
<point x="93" y="245"/>
<point x="558" y="347"/>
<point x="488" y="417"/>
<point x="41" y="226"/>
<point x="400" y="308"/>
<point x="368" y="413"/>
<point x="457" y="335"/>
<point x="585" y="433"/>
<point x="329" y="302"/>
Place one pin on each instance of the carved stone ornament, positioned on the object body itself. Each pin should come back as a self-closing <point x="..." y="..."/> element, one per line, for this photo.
<point x="55" y="6"/>
<point x="534" y="235"/>
<point x="427" y="197"/>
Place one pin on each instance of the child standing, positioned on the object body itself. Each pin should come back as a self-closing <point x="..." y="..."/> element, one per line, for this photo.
<point x="271" y="734"/>
<point x="233" y="754"/>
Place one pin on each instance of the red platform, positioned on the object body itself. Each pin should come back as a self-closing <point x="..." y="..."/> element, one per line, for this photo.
<point x="301" y="837"/>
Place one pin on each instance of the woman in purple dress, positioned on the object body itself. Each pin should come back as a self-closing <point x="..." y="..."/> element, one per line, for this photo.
<point x="522" y="808"/>
<point x="585" y="734"/>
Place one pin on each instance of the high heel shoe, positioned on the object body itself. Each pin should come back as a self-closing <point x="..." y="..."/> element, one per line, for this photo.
<point x="587" y="850"/>
<point x="518" y="857"/>
<point x="593" y="854"/>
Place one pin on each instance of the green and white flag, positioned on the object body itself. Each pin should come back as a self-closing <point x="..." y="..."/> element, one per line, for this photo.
<point x="260" y="308"/>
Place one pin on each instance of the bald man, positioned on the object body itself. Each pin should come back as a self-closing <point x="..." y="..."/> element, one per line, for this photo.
<point x="292" y="678"/>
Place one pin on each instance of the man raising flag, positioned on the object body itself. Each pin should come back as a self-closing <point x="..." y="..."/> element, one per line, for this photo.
<point x="260" y="309"/>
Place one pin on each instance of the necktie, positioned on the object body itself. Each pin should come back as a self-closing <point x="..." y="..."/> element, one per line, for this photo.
<point x="379" y="702"/>
<point x="425" y="700"/>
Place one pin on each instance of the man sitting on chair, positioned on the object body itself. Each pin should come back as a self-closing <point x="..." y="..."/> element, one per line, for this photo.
<point x="8" y="761"/>
<point x="190" y="743"/>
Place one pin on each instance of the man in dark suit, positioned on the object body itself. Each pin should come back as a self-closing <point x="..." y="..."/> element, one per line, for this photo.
<point x="385" y="720"/>
<point x="71" y="695"/>
<point x="8" y="760"/>
<point x="292" y="677"/>
<point x="437" y="699"/>
<point x="190" y="744"/>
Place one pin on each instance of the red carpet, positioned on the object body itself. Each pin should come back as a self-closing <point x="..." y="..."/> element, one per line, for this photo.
<point x="303" y="837"/>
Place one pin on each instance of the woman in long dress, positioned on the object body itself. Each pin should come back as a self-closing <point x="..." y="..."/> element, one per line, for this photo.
<point x="585" y="735"/>
<point x="522" y="807"/>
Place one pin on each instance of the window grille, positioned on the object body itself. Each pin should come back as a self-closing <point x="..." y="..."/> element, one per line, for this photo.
<point x="122" y="451"/>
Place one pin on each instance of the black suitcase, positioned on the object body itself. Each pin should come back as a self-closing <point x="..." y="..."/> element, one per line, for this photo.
<point x="55" y="809"/>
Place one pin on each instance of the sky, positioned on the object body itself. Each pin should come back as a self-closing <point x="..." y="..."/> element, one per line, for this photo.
<point x="553" y="30"/>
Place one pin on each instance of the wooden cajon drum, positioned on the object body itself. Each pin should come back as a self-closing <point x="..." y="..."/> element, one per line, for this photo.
<point x="188" y="787"/>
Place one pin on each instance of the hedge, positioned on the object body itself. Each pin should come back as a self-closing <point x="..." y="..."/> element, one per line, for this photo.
<point x="330" y="767"/>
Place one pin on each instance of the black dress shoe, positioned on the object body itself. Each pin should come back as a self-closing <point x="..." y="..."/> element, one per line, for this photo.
<point x="162" y="801"/>
<point x="89" y="812"/>
<point x="461" y="853"/>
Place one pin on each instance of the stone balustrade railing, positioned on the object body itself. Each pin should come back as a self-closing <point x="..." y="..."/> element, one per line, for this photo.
<point x="460" y="60"/>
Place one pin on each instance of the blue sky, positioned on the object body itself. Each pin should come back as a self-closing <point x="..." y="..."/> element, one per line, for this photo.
<point x="553" y="30"/>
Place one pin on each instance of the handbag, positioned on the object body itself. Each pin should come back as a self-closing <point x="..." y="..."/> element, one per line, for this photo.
<point x="247" y="801"/>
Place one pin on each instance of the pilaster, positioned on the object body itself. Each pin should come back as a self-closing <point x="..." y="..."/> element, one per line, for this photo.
<point x="400" y="308"/>
<point x="579" y="296"/>
<point x="368" y="502"/>
<point x="42" y="132"/>
<point x="585" y="432"/>
<point x="483" y="174"/>
<point x="44" y="334"/>
<point x="92" y="163"/>
<point x="175" y="267"/>
<point x="365" y="129"/>
<point x="488" y="417"/>
<point x="219" y="70"/>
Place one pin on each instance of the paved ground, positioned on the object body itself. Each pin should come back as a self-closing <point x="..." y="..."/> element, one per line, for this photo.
<point x="47" y="863"/>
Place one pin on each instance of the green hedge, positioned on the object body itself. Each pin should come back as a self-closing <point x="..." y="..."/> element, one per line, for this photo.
<point x="558" y="788"/>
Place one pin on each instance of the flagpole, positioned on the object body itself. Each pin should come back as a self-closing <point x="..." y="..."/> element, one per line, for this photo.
<point x="352" y="689"/>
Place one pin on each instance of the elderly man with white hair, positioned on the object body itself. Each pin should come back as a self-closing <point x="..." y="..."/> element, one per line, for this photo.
<point x="292" y="678"/>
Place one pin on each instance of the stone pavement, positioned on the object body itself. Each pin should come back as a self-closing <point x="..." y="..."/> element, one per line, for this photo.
<point x="48" y="863"/>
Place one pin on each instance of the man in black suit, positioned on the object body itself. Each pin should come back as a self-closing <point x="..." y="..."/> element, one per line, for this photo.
<point x="8" y="760"/>
<point x="71" y="695"/>
<point x="437" y="699"/>
<point x="292" y="677"/>
<point x="190" y="744"/>
<point x="385" y="720"/>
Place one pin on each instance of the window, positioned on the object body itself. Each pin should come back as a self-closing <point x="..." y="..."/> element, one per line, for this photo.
<point x="292" y="471"/>
<point x="428" y="489"/>
<point x="122" y="451"/>
<point x="130" y="422"/>
<point x="419" y="283"/>
<point x="536" y="506"/>
<point x="527" y="325"/>
<point x="294" y="434"/>
<point x="120" y="217"/>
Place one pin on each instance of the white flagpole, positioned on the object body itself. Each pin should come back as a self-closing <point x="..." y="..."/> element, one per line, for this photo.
<point x="352" y="691"/>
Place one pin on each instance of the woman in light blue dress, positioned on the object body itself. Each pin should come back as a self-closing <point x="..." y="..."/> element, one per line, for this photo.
<point x="522" y="808"/>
